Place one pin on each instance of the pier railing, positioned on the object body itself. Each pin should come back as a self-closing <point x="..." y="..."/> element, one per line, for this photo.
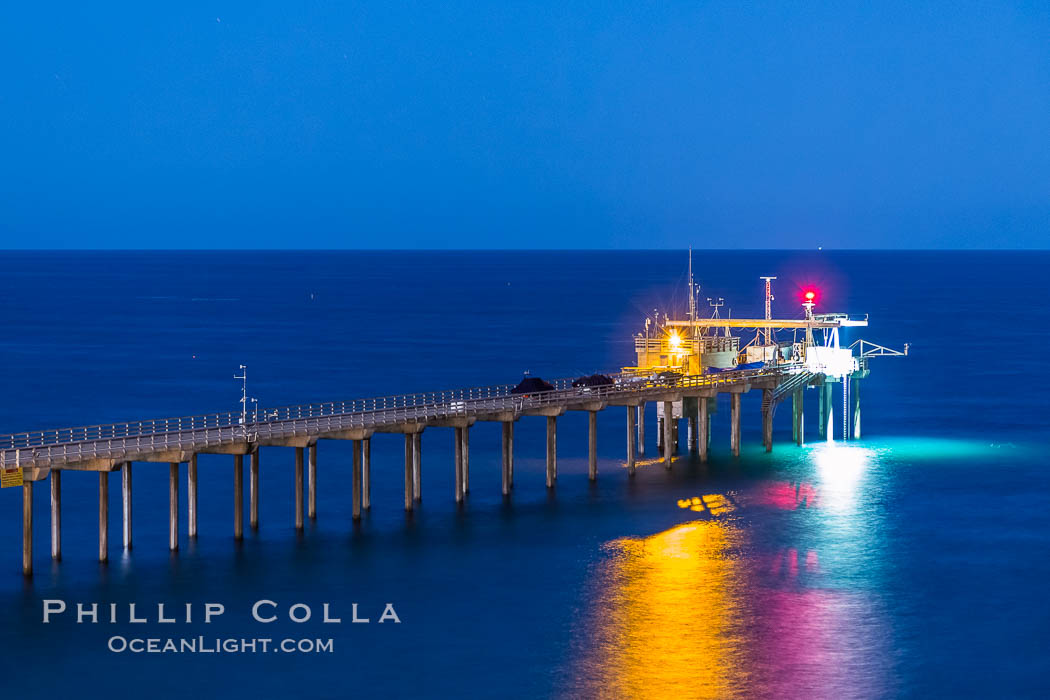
<point x="68" y="445"/>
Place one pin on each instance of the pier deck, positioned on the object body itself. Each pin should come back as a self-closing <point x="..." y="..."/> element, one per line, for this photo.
<point x="101" y="447"/>
<point x="34" y="456"/>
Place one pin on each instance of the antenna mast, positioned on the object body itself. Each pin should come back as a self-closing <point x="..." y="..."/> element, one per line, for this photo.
<point x="243" y="376"/>
<point x="692" y="299"/>
<point x="769" y="307"/>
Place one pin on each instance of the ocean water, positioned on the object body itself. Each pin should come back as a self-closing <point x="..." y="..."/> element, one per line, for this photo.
<point x="910" y="563"/>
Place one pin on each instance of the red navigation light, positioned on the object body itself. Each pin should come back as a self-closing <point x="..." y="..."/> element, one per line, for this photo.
<point x="810" y="296"/>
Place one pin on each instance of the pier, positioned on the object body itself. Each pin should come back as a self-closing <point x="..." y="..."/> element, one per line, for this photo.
<point x="149" y="444"/>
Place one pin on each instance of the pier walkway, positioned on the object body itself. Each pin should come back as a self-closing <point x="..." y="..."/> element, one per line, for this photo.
<point x="157" y="440"/>
<point x="39" y="455"/>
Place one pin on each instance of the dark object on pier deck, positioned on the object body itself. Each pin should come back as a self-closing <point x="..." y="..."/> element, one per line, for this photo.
<point x="592" y="380"/>
<point x="531" y="385"/>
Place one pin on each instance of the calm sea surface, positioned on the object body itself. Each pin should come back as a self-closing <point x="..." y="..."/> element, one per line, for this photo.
<point x="913" y="562"/>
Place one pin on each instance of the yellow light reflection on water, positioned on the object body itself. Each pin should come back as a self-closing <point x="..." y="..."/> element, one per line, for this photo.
<point x="714" y="503"/>
<point x="664" y="625"/>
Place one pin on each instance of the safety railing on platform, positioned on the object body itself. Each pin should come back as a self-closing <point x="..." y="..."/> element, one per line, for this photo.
<point x="193" y="432"/>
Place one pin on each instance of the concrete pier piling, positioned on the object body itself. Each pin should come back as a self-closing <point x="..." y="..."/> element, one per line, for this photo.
<point x="103" y="516"/>
<point x="409" y="476"/>
<point x="592" y="445"/>
<point x="826" y="412"/>
<point x="458" y="466"/>
<point x="668" y="441"/>
<point x="173" y="506"/>
<point x="552" y="451"/>
<point x="691" y="430"/>
<point x="356" y="480"/>
<point x="298" y="488"/>
<point x="27" y="528"/>
<point x="253" y="490"/>
<point x="829" y="412"/>
<point x="734" y="424"/>
<point x="238" y="497"/>
<point x="767" y="419"/>
<point x="417" y="466"/>
<point x="125" y="499"/>
<point x="856" y="408"/>
<point x="641" y="428"/>
<point x="508" y="455"/>
<point x="631" y="414"/>
<point x="798" y="422"/>
<point x="191" y="496"/>
<point x="659" y="433"/>
<point x="366" y="474"/>
<point x="703" y="422"/>
<point x="311" y="482"/>
<point x="466" y="460"/>
<point x="56" y="514"/>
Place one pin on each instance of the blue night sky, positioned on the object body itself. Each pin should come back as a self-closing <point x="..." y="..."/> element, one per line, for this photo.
<point x="525" y="125"/>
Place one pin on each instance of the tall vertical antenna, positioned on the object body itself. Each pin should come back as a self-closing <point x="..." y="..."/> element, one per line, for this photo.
<point x="769" y="307"/>
<point x="692" y="299"/>
<point x="243" y="376"/>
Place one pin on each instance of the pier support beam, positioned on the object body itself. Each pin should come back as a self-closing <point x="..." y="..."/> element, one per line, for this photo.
<point x="366" y="474"/>
<point x="692" y="431"/>
<point x="27" y="528"/>
<point x="238" y="497"/>
<point x="797" y="417"/>
<point x="466" y="460"/>
<point x="458" y="466"/>
<point x="173" y="507"/>
<point x="191" y="496"/>
<point x="856" y="409"/>
<point x="641" y="427"/>
<point x="298" y="488"/>
<point x="668" y="433"/>
<point x="825" y="428"/>
<point x="103" y="516"/>
<point x="417" y="466"/>
<point x="703" y="422"/>
<point x="508" y="455"/>
<point x="552" y="451"/>
<point x="311" y="482"/>
<point x="125" y="499"/>
<point x="253" y="490"/>
<point x="631" y="415"/>
<point x="592" y="445"/>
<point x="409" y="476"/>
<point x="734" y="424"/>
<point x="56" y="514"/>
<point x="355" y="481"/>
<point x="767" y="419"/>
